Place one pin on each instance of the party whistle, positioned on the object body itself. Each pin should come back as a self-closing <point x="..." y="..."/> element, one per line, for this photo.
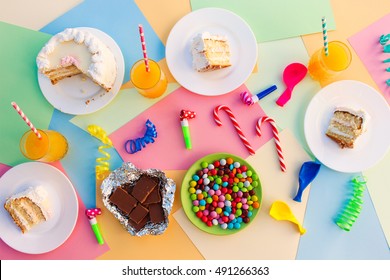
<point x="252" y="99"/>
<point x="186" y="115"/>
<point x="91" y="215"/>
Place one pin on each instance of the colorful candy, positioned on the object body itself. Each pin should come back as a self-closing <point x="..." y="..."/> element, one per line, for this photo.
<point x="225" y="189"/>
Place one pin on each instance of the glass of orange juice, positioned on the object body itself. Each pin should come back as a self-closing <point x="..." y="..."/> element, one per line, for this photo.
<point x="150" y="84"/>
<point x="51" y="147"/>
<point x="325" y="67"/>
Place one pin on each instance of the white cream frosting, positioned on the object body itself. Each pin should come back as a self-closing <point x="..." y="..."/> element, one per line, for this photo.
<point x="94" y="58"/>
<point x="39" y="196"/>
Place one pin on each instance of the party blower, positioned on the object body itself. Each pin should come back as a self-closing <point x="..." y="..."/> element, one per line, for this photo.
<point x="252" y="99"/>
<point x="91" y="215"/>
<point x="186" y="115"/>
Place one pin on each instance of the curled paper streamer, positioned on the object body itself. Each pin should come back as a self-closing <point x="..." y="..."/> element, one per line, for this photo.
<point x="383" y="39"/>
<point x="102" y="164"/>
<point x="134" y="145"/>
<point x="351" y="211"/>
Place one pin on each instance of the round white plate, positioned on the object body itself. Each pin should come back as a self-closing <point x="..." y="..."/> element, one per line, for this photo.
<point x="48" y="235"/>
<point x="243" y="47"/>
<point x="78" y="95"/>
<point x="370" y="147"/>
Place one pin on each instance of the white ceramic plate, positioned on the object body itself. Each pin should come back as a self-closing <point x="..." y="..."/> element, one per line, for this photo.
<point x="370" y="147"/>
<point x="51" y="234"/>
<point x="216" y="21"/>
<point x="78" y="95"/>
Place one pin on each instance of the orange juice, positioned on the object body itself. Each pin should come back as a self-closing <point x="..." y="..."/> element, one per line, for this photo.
<point x="150" y="84"/>
<point x="51" y="147"/>
<point x="324" y="67"/>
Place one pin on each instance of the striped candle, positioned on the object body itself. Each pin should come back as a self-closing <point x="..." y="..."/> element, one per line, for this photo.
<point x="325" y="36"/>
<point x="143" y="43"/>
<point x="26" y="120"/>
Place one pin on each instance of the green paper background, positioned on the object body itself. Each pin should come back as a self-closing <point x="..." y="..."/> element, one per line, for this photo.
<point x="19" y="82"/>
<point x="287" y="18"/>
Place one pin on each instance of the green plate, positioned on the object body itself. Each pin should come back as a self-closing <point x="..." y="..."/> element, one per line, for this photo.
<point x="187" y="202"/>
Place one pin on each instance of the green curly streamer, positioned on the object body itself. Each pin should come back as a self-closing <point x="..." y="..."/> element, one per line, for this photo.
<point x="351" y="211"/>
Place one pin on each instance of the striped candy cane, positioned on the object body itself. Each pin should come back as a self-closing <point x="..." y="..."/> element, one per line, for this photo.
<point x="236" y="125"/>
<point x="26" y="120"/>
<point x="276" y="138"/>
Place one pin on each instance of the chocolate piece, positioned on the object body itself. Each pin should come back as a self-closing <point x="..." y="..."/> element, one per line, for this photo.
<point x="153" y="197"/>
<point x="143" y="187"/>
<point x="124" y="201"/>
<point x="128" y="187"/>
<point x="138" y="213"/>
<point x="141" y="224"/>
<point x="156" y="213"/>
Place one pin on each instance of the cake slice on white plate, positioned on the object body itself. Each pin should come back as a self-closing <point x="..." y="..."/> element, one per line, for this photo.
<point x="346" y="125"/>
<point x="29" y="207"/>
<point x="210" y="52"/>
<point x="76" y="51"/>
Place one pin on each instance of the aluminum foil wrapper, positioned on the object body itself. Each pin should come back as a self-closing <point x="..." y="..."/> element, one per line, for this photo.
<point x="129" y="173"/>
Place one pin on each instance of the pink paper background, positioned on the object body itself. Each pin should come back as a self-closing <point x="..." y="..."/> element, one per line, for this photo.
<point x="71" y="249"/>
<point x="370" y="51"/>
<point x="206" y="136"/>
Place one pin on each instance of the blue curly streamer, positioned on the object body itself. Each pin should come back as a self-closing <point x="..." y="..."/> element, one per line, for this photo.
<point x="134" y="145"/>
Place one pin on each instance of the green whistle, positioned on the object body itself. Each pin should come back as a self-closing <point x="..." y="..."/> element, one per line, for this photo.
<point x="96" y="231"/>
<point x="186" y="133"/>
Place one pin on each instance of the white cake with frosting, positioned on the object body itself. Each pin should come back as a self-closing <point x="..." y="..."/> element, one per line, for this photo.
<point x="210" y="52"/>
<point x="346" y="125"/>
<point x="29" y="207"/>
<point x="76" y="51"/>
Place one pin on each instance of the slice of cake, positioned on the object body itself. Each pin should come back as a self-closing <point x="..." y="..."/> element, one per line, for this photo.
<point x="210" y="52"/>
<point x="29" y="208"/>
<point x="346" y="125"/>
<point x="75" y="51"/>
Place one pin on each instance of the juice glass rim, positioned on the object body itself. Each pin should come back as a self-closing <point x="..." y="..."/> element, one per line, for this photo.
<point x="143" y="61"/>
<point x="43" y="134"/>
<point x="347" y="51"/>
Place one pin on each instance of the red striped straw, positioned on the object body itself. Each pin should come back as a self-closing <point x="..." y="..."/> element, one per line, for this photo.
<point x="142" y="35"/>
<point x="26" y="120"/>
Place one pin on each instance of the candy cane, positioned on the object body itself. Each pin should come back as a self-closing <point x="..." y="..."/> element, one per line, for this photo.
<point x="235" y="123"/>
<point x="276" y="138"/>
<point x="91" y="215"/>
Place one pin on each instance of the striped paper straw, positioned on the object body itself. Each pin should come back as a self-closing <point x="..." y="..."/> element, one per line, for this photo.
<point x="26" y="120"/>
<point x="325" y="36"/>
<point x="142" y="35"/>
